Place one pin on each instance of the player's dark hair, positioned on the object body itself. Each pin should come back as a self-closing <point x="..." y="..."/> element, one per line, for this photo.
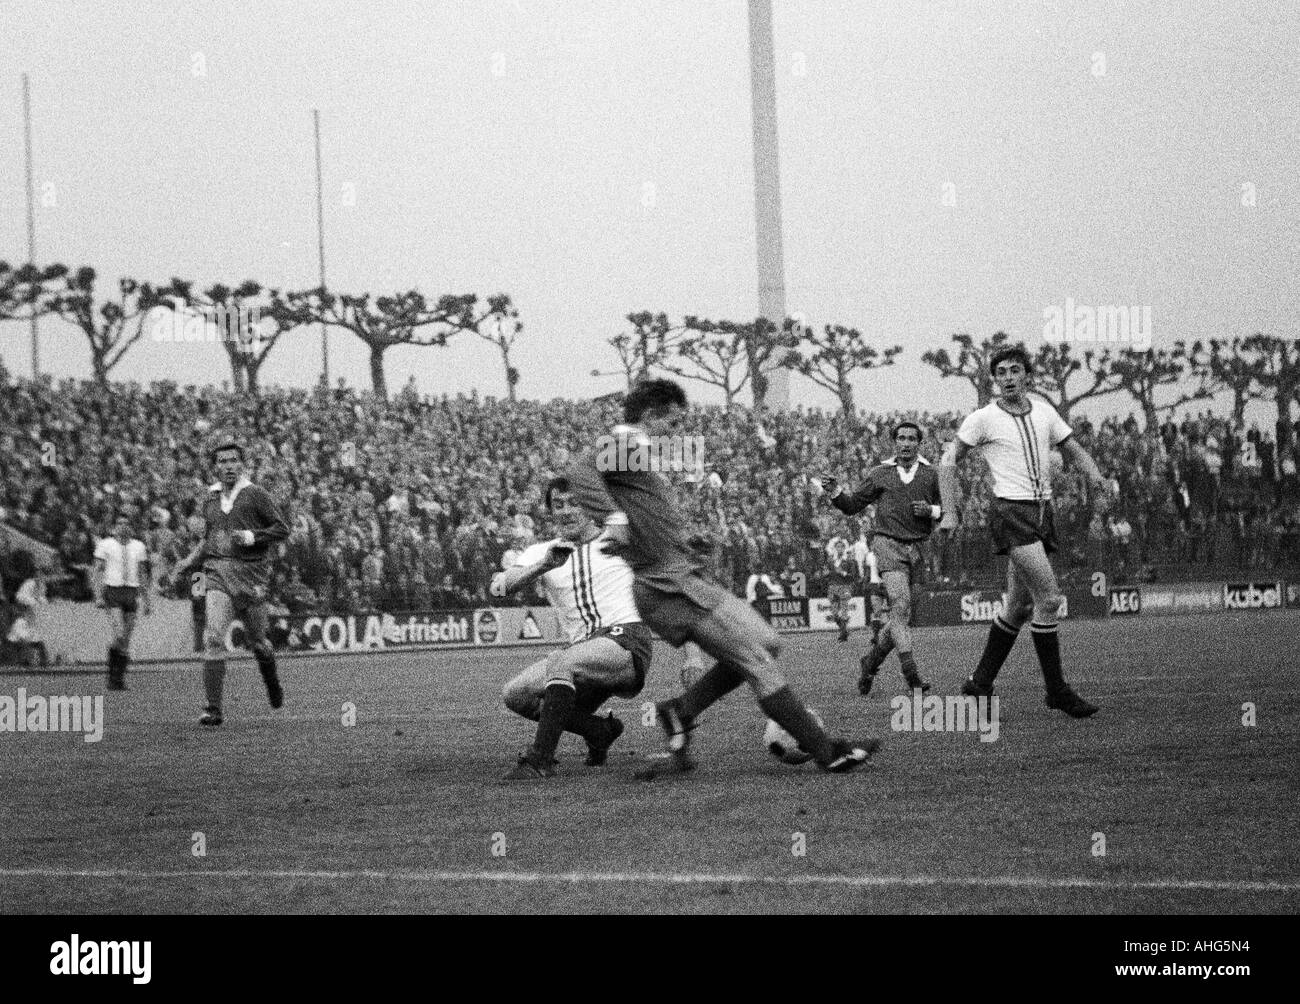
<point x="652" y="395"/>
<point x="908" y="425"/>
<point x="227" y="444"/>
<point x="560" y="484"/>
<point x="1016" y="352"/>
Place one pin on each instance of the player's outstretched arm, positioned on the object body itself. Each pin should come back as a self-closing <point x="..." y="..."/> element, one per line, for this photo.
<point x="1074" y="452"/>
<point x="949" y="485"/>
<point x="517" y="577"/>
<point x="849" y="503"/>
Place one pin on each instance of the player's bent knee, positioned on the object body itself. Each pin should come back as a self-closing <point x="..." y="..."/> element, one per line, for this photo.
<point x="1049" y="606"/>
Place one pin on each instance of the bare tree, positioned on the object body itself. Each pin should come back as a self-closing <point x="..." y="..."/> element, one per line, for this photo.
<point x="1055" y="366"/>
<point x="404" y="318"/>
<point x="1233" y="366"/>
<point x="240" y="320"/>
<point x="971" y="362"/>
<point x="23" y="289"/>
<point x="716" y="357"/>
<point x="652" y="340"/>
<point x="1279" y="377"/>
<point x="111" y="329"/>
<point x="833" y="356"/>
<point x="501" y="326"/>
<point x="1144" y="373"/>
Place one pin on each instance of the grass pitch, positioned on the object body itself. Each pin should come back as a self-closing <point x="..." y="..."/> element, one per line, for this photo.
<point x="403" y="811"/>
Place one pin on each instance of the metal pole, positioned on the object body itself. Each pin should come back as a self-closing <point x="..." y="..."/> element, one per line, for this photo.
<point x="320" y="248"/>
<point x="767" y="185"/>
<point x="31" y="219"/>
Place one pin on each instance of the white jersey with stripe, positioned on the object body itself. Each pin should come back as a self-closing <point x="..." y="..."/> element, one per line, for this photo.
<point x="1017" y="447"/>
<point x="121" y="561"/>
<point x="591" y="590"/>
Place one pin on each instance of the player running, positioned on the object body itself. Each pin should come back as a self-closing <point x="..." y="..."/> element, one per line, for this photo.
<point x="609" y="648"/>
<point x="635" y="503"/>
<point x="839" y="583"/>
<point x="905" y="490"/>
<point x="1015" y="434"/>
<point x="241" y="525"/>
<point x="121" y="578"/>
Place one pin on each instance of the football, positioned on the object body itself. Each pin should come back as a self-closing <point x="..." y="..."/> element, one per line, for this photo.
<point x="781" y="744"/>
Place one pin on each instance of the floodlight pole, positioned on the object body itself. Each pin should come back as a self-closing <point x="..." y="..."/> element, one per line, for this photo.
<point x="767" y="186"/>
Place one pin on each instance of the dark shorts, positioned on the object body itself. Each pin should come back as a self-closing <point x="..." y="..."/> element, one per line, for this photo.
<point x="125" y="598"/>
<point x="894" y="555"/>
<point x="245" y="582"/>
<point x="1015" y="524"/>
<point x="839" y="592"/>
<point x="638" y="640"/>
<point x="674" y="614"/>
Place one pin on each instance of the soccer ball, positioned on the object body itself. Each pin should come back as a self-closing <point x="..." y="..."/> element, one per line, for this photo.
<point x="782" y="745"/>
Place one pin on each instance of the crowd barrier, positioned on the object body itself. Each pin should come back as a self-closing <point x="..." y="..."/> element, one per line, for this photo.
<point x="77" y="633"/>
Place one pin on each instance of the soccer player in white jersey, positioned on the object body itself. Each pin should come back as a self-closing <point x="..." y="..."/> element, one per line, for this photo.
<point x="121" y="577"/>
<point x="609" y="648"/>
<point x="1015" y="434"/>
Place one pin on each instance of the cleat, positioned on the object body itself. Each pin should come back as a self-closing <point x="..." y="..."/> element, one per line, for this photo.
<point x="677" y="728"/>
<point x="1071" y="703"/>
<point x="598" y="752"/>
<point x="211" y="717"/>
<point x="973" y="689"/>
<point x="530" y="769"/>
<point x="660" y="764"/>
<point x="676" y="758"/>
<point x="848" y="757"/>
<point x="274" y="692"/>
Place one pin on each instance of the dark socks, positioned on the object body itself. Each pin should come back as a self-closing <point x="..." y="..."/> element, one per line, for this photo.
<point x="879" y="652"/>
<point x="1048" y="646"/>
<point x="214" y="677"/>
<point x="786" y="710"/>
<point x="715" y="684"/>
<point x="582" y="719"/>
<point x="1002" y="636"/>
<point x="908" y="662"/>
<point x="557" y="705"/>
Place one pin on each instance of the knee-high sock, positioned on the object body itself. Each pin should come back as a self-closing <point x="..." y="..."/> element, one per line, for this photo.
<point x="715" y="683"/>
<point x="908" y="662"/>
<point x="214" y="677"/>
<point x="582" y="719"/>
<point x="1002" y="636"/>
<point x="557" y="704"/>
<point x="1048" y="646"/>
<point x="880" y="649"/>
<point x="788" y="712"/>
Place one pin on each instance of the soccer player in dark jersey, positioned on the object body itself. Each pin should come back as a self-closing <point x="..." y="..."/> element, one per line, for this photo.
<point x="621" y="486"/>
<point x="839" y="583"/>
<point x="1015" y="434"/>
<point x="242" y="524"/>
<point x="905" y="490"/>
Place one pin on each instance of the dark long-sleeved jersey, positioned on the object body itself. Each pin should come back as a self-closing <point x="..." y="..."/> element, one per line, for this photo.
<point x="605" y="484"/>
<point x="252" y="509"/>
<point x="894" y="497"/>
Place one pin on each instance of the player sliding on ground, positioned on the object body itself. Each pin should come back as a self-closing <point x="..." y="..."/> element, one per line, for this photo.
<point x="1015" y="434"/>
<point x="609" y="648"/>
<point x="241" y="525"/>
<point x="620" y="486"/>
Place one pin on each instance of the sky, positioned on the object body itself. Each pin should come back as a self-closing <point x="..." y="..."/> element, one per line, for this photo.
<point x="946" y="167"/>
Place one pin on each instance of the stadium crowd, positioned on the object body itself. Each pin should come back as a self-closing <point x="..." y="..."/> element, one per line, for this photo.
<point x="411" y="503"/>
